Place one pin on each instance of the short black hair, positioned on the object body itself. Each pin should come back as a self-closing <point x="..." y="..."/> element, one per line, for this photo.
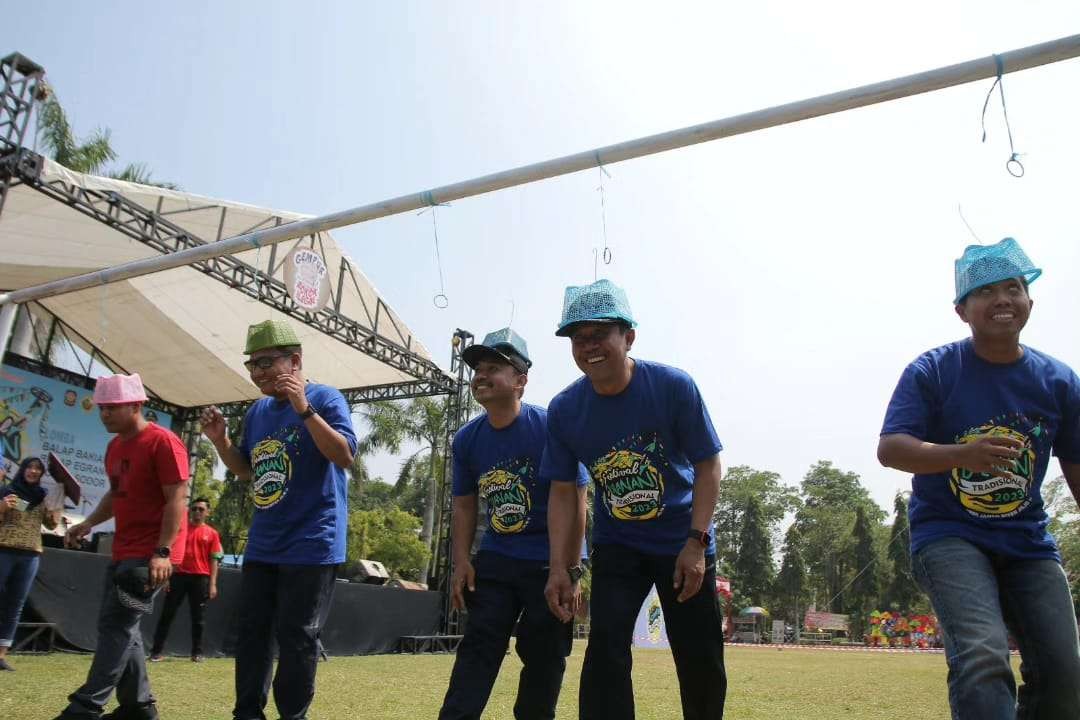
<point x="201" y="500"/>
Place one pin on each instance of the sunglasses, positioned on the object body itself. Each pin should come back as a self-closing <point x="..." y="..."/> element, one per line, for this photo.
<point x="265" y="362"/>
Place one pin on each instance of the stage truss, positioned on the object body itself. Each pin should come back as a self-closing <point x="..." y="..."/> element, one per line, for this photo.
<point x="377" y="335"/>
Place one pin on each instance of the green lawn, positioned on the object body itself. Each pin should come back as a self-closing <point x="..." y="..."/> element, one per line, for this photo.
<point x="762" y="683"/>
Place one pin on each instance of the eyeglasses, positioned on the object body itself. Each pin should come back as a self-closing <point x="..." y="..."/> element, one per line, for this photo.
<point x="198" y="509"/>
<point x="264" y="363"/>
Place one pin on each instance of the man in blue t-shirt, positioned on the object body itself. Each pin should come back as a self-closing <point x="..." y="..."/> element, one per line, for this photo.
<point x="497" y="457"/>
<point x="976" y="422"/>
<point x="295" y="447"/>
<point x="644" y="434"/>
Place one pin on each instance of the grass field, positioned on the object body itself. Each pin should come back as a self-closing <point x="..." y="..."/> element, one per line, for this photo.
<point x="762" y="683"/>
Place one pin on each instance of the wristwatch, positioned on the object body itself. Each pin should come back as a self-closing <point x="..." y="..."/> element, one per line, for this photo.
<point x="163" y="552"/>
<point x="309" y="412"/>
<point x="702" y="536"/>
<point x="575" y="572"/>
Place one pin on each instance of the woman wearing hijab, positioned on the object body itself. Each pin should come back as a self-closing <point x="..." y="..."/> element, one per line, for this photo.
<point x="22" y="513"/>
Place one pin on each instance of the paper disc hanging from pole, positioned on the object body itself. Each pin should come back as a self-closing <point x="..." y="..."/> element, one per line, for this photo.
<point x="307" y="279"/>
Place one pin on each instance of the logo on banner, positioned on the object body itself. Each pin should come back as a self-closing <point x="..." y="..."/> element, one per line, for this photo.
<point x="655" y="619"/>
<point x="307" y="279"/>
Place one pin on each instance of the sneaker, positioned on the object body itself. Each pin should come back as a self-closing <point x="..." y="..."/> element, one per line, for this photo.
<point x="157" y="657"/>
<point x="196" y="658"/>
<point x="5" y="665"/>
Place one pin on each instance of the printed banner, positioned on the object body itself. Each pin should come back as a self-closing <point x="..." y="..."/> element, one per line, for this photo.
<point x="815" y="620"/>
<point x="39" y="415"/>
<point x="649" y="630"/>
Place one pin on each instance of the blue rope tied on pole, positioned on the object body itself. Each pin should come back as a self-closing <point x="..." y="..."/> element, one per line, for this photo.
<point x="1013" y="165"/>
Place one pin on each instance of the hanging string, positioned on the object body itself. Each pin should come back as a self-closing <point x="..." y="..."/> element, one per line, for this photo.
<point x="606" y="254"/>
<point x="258" y="290"/>
<point x="1013" y="165"/>
<point x="960" y="210"/>
<point x="440" y="300"/>
<point x="103" y="297"/>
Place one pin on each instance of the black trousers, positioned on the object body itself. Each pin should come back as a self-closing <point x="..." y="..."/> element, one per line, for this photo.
<point x="507" y="588"/>
<point x="621" y="581"/>
<point x="286" y="603"/>
<point x="196" y="588"/>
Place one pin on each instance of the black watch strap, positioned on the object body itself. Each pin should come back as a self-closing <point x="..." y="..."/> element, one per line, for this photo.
<point x="575" y="571"/>
<point x="702" y="536"/>
<point x="163" y="552"/>
<point x="309" y="412"/>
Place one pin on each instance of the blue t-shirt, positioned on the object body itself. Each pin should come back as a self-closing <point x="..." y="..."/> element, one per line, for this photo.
<point x="301" y="498"/>
<point x="640" y="447"/>
<point x="950" y="395"/>
<point x="502" y="466"/>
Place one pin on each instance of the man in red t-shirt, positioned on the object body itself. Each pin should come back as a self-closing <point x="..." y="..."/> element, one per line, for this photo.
<point x="195" y="579"/>
<point x="147" y="467"/>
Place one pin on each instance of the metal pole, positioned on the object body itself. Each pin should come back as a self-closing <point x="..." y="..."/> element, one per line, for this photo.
<point x="987" y="67"/>
<point x="7" y="322"/>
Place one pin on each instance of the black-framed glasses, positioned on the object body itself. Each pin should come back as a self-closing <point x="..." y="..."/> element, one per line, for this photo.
<point x="265" y="362"/>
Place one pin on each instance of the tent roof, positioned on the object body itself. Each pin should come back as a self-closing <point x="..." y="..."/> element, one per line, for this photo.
<point x="182" y="330"/>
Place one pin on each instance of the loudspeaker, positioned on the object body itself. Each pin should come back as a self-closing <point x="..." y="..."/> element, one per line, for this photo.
<point x="371" y="572"/>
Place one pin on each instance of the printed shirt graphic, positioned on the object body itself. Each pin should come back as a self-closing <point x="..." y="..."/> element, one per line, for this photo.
<point x="501" y="467"/>
<point x="950" y="395"/>
<point x="640" y="447"/>
<point x="300" y="497"/>
<point x="137" y="470"/>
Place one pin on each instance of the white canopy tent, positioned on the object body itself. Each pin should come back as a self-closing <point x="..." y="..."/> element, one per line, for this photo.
<point x="181" y="329"/>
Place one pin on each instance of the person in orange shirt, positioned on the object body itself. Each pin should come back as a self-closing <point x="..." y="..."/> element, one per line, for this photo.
<point x="195" y="579"/>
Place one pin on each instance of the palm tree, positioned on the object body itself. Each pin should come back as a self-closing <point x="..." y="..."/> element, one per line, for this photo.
<point x="90" y="155"/>
<point x="421" y="420"/>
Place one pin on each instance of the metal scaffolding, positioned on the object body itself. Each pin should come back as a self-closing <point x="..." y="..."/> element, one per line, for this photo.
<point x="377" y="335"/>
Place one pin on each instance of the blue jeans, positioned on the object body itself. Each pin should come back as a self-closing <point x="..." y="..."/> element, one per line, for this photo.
<point x="980" y="598"/>
<point x="17" y="571"/>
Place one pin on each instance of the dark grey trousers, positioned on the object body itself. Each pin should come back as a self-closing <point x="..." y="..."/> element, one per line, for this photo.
<point x="119" y="663"/>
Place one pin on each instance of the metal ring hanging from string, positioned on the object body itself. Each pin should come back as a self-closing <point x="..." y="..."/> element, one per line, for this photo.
<point x="1013" y="165"/>
<point x="439" y="300"/>
<point x="604" y="254"/>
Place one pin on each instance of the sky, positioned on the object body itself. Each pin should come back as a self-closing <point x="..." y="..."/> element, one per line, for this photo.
<point x="792" y="272"/>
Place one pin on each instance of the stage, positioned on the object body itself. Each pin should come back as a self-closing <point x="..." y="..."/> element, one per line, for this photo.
<point x="363" y="620"/>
